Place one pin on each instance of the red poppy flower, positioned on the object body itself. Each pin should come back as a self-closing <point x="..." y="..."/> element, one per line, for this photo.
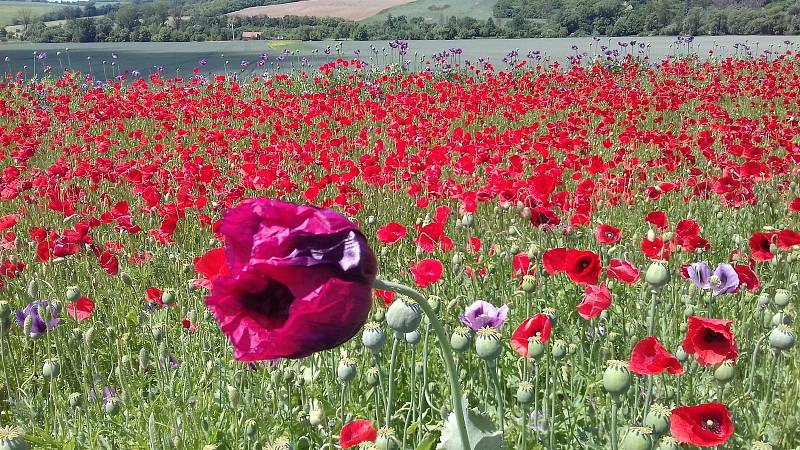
<point x="8" y="221"/>
<point x="391" y="233"/>
<point x="432" y="234"/>
<point x="187" y="324"/>
<point x="475" y="244"/>
<point x="747" y="277"/>
<point x="596" y="299"/>
<point x="386" y="296"/>
<point x="109" y="262"/>
<point x="292" y="269"/>
<point x="659" y="219"/>
<point x="655" y="249"/>
<point x="649" y="357"/>
<point x="787" y="239"/>
<point x="606" y="234"/>
<point x="427" y="272"/>
<point x="705" y="425"/>
<point x="583" y="267"/>
<point x="711" y="341"/>
<point x="153" y="295"/>
<point x="760" y="246"/>
<point x="544" y="217"/>
<point x="538" y="325"/>
<point x="210" y="265"/>
<point x="554" y="260"/>
<point x="623" y="271"/>
<point x="795" y="205"/>
<point x="522" y="264"/>
<point x="81" y="309"/>
<point x="355" y="432"/>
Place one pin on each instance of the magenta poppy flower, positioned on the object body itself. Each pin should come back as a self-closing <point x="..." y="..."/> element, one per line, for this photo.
<point x="299" y="282"/>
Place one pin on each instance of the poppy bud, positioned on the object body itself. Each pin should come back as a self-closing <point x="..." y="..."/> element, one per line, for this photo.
<point x="468" y="220"/>
<point x="657" y="276"/>
<point x="681" y="354"/>
<point x="487" y="344"/>
<point x="725" y="372"/>
<point x="460" y="339"/>
<point x="88" y="336"/>
<point x="638" y="438"/>
<point x="525" y="393"/>
<point x="651" y="235"/>
<point x="782" y="298"/>
<point x="27" y="326"/>
<point x="346" y="370"/>
<point x="33" y="289"/>
<point x="658" y="419"/>
<point x="782" y="338"/>
<point x="316" y="416"/>
<point x="404" y="315"/>
<point x="372" y="376"/>
<point x="669" y="443"/>
<point x="75" y="400"/>
<point x="616" y="378"/>
<point x="112" y="406"/>
<point x="289" y="375"/>
<point x="168" y="298"/>
<point x="552" y="314"/>
<point x="380" y="314"/>
<point x="158" y="333"/>
<point x="457" y="262"/>
<point x="535" y="347"/>
<point x="763" y="301"/>
<point x="761" y="446"/>
<point x="126" y="278"/>
<point x="386" y="439"/>
<point x="233" y="396"/>
<point x="413" y="337"/>
<point x="73" y="294"/>
<point x="559" y="349"/>
<point x="373" y="336"/>
<point x="528" y="283"/>
<point x="13" y="438"/>
<point x="51" y="368"/>
<point x="144" y="358"/>
<point x="250" y="428"/>
<point x="282" y="443"/>
<point x="434" y="301"/>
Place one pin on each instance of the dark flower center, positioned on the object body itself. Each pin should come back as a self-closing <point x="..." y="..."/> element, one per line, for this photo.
<point x="712" y="426"/>
<point x="712" y="337"/>
<point x="583" y="264"/>
<point x="271" y="303"/>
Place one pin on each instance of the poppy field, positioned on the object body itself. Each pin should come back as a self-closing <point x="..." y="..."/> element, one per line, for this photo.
<point x="594" y="255"/>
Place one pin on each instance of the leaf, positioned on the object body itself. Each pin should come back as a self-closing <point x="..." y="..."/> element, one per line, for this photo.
<point x="429" y="442"/>
<point x="482" y="433"/>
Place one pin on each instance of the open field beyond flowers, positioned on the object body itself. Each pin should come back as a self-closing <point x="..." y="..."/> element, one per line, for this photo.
<point x="602" y="257"/>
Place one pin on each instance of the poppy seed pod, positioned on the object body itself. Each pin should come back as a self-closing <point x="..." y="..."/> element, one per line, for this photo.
<point x="669" y="443"/>
<point x="373" y="337"/>
<point x="468" y="220"/>
<point x="316" y="417"/>
<point x="75" y="400"/>
<point x="657" y="276"/>
<point x="12" y="438"/>
<point x="525" y="393"/>
<point x="404" y="315"/>
<point x="782" y="338"/>
<point x="112" y="406"/>
<point x="781" y="318"/>
<point x="528" y="283"/>
<point x="726" y="371"/>
<point x="559" y="349"/>
<point x="552" y="314"/>
<point x="487" y="343"/>
<point x="168" y="298"/>
<point x="461" y="339"/>
<point x="413" y="337"/>
<point x="658" y="419"/>
<point x="346" y="370"/>
<point x="73" y="294"/>
<point x="782" y="298"/>
<point x="638" y="438"/>
<point x="535" y="347"/>
<point x="761" y="446"/>
<point x="250" y="428"/>
<point x="51" y="369"/>
<point x="386" y="439"/>
<point x="372" y="376"/>
<point x="616" y="378"/>
<point x="234" y="397"/>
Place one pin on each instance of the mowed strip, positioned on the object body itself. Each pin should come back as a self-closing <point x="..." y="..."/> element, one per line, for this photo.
<point x="345" y="9"/>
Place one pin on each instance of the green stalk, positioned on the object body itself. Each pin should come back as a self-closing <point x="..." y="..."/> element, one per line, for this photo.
<point x="444" y="345"/>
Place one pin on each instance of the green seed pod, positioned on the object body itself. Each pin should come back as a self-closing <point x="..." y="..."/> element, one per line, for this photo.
<point x="688" y="311"/>
<point x="73" y="294"/>
<point x="552" y="314"/>
<point x="404" y="315"/>
<point x="316" y="417"/>
<point x="669" y="443"/>
<point x="434" y="301"/>
<point x="616" y="378"/>
<point x="781" y="318"/>
<point x="763" y="301"/>
<point x="419" y="369"/>
<point x="413" y="337"/>
<point x="158" y="333"/>
<point x="51" y="368"/>
<point x="13" y="438"/>
<point x="761" y="446"/>
<point x="168" y="298"/>
<point x="559" y="349"/>
<point x="380" y="314"/>
<point x="638" y="438"/>
<point x="88" y="336"/>
<point x="144" y="358"/>
<point x="782" y="298"/>
<point x="658" y="419"/>
<point x="234" y="397"/>
<point x="250" y="428"/>
<point x="126" y="278"/>
<point x="346" y="370"/>
<point x="461" y="339"/>
<point x="681" y="354"/>
<point x="535" y="347"/>
<point x="75" y="400"/>
<point x="525" y="393"/>
<point x="289" y="375"/>
<point x="33" y="289"/>
<point x="27" y="326"/>
<point x="782" y="338"/>
<point x="282" y="443"/>
<point x="468" y="220"/>
<point x="726" y="371"/>
<point x="372" y="376"/>
<point x="487" y="344"/>
<point x="657" y="276"/>
<point x="528" y="283"/>
<point x="373" y="336"/>
<point x="386" y="439"/>
<point x="112" y="406"/>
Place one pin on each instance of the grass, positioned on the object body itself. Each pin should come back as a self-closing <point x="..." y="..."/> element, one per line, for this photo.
<point x="10" y="10"/>
<point x="436" y="10"/>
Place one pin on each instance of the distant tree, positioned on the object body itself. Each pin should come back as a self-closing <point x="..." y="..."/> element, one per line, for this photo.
<point x="25" y="16"/>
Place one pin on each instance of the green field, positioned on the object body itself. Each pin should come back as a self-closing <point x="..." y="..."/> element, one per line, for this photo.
<point x="436" y="10"/>
<point x="9" y="10"/>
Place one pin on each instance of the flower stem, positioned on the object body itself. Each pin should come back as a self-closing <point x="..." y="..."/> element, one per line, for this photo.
<point x="614" y="408"/>
<point x="649" y="397"/>
<point x="492" y="368"/>
<point x="392" y="368"/>
<point x="444" y="345"/>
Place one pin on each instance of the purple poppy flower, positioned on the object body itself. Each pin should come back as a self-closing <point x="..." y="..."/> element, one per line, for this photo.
<point x="203" y="62"/>
<point x="299" y="282"/>
<point x="699" y="273"/>
<point x="725" y="280"/>
<point x="35" y="310"/>
<point x="483" y="314"/>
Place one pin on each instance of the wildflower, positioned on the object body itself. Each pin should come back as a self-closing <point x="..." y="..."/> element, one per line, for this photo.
<point x="705" y="425"/>
<point x="482" y="314"/>
<point x="42" y="316"/>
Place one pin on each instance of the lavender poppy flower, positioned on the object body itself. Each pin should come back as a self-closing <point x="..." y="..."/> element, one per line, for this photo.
<point x="483" y="314"/>
<point x="699" y="273"/>
<point x="299" y="282"/>
<point x="725" y="280"/>
<point x="39" y="324"/>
